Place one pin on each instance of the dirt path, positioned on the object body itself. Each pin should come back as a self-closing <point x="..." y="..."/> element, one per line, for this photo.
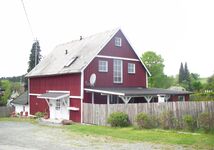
<point x="26" y="136"/>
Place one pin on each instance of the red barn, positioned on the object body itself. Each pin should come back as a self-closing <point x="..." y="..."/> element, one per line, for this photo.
<point x="101" y="69"/>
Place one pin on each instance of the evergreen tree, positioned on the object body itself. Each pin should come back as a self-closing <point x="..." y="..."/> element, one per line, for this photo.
<point x="35" y="56"/>
<point x="186" y="73"/>
<point x="181" y="74"/>
<point x="34" y="59"/>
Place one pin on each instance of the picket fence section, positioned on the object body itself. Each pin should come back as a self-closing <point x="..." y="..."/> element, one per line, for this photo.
<point x="98" y="113"/>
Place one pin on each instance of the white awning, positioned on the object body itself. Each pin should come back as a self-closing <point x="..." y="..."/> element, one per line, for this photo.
<point x="53" y="95"/>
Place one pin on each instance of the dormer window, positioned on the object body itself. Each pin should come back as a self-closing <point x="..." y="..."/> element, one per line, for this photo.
<point x="118" y="41"/>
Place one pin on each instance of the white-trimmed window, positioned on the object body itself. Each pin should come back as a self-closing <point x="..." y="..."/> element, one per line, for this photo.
<point x="57" y="104"/>
<point x="131" y="68"/>
<point x="118" y="71"/>
<point x="118" y="41"/>
<point x="181" y="98"/>
<point x="103" y="66"/>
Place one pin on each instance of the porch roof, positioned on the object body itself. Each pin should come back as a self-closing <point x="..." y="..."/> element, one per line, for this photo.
<point x="53" y="95"/>
<point x="136" y="91"/>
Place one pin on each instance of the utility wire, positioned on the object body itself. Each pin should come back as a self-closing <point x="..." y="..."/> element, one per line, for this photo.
<point x="27" y="19"/>
<point x="31" y="29"/>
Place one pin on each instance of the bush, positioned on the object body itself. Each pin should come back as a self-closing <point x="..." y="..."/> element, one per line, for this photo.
<point x="143" y="121"/>
<point x="39" y="114"/>
<point x="205" y="122"/>
<point x="189" y="123"/>
<point x="167" y="120"/>
<point x="118" y="119"/>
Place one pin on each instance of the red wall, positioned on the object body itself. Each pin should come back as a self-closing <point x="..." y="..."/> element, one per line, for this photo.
<point x="124" y="51"/>
<point x="105" y="79"/>
<point x="68" y="82"/>
<point x="75" y="115"/>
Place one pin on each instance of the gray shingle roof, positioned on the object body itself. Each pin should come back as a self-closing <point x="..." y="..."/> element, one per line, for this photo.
<point x="136" y="91"/>
<point x="82" y="50"/>
<point x="22" y="99"/>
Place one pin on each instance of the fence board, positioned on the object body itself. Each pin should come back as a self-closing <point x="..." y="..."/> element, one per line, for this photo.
<point x="98" y="113"/>
<point x="6" y="111"/>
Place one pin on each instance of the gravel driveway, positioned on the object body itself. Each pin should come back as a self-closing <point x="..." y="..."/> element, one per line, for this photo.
<point x="26" y="136"/>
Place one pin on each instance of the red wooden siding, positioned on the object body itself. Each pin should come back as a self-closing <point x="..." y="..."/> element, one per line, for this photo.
<point x="68" y="82"/>
<point x="75" y="115"/>
<point x="38" y="105"/>
<point x="105" y="79"/>
<point x="124" y="51"/>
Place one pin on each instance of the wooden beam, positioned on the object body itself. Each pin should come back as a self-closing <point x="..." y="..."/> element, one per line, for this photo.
<point x="148" y="98"/>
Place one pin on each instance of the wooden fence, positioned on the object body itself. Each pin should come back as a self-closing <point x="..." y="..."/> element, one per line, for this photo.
<point x="98" y="113"/>
<point x="5" y="111"/>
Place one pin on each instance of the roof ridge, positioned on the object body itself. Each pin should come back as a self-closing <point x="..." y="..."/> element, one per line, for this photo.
<point x="89" y="36"/>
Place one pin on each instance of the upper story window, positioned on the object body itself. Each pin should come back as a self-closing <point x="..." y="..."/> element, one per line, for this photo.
<point x="118" y="71"/>
<point x="118" y="41"/>
<point x="131" y="68"/>
<point x="103" y="66"/>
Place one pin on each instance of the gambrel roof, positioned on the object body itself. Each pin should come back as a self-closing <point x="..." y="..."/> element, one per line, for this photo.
<point x="74" y="56"/>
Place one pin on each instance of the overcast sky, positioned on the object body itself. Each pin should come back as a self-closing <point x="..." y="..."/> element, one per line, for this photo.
<point x="178" y="30"/>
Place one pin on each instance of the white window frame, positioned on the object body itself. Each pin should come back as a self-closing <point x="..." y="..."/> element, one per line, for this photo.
<point x="117" y="71"/>
<point x="103" y="66"/>
<point x="58" y="104"/>
<point x="131" y="68"/>
<point x="118" y="42"/>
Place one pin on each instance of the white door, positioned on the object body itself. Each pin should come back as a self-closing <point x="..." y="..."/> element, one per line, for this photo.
<point x="58" y="109"/>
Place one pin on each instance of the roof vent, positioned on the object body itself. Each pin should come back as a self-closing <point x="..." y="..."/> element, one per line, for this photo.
<point x="81" y="38"/>
<point x="66" y="52"/>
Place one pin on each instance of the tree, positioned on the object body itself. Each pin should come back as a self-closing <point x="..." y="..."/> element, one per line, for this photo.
<point x="6" y="85"/>
<point x="34" y="59"/>
<point x="181" y="74"/>
<point x="155" y="65"/>
<point x="210" y="83"/>
<point x="35" y="56"/>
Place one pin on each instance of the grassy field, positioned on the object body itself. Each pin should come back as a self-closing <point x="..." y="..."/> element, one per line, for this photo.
<point x="194" y="140"/>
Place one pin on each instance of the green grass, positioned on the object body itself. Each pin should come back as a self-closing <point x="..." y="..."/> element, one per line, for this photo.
<point x="16" y="119"/>
<point x="198" y="140"/>
<point x="195" y="140"/>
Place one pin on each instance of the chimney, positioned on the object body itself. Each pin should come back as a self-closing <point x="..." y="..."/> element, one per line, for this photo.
<point x="66" y="52"/>
<point x="80" y="37"/>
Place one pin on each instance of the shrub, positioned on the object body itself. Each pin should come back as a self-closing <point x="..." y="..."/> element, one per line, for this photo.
<point x="167" y="120"/>
<point x="205" y="122"/>
<point x="118" y="119"/>
<point x="39" y="114"/>
<point x="143" y="121"/>
<point x="189" y="122"/>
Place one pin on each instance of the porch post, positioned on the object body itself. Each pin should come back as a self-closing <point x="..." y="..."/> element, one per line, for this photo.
<point x="108" y="99"/>
<point x="148" y="98"/>
<point x="92" y="101"/>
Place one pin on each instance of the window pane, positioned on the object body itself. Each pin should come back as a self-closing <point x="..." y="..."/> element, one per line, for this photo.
<point x="103" y="66"/>
<point x="131" y="68"/>
<point x="117" y="72"/>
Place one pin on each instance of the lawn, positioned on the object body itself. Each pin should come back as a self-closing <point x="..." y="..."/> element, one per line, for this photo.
<point x="194" y="140"/>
